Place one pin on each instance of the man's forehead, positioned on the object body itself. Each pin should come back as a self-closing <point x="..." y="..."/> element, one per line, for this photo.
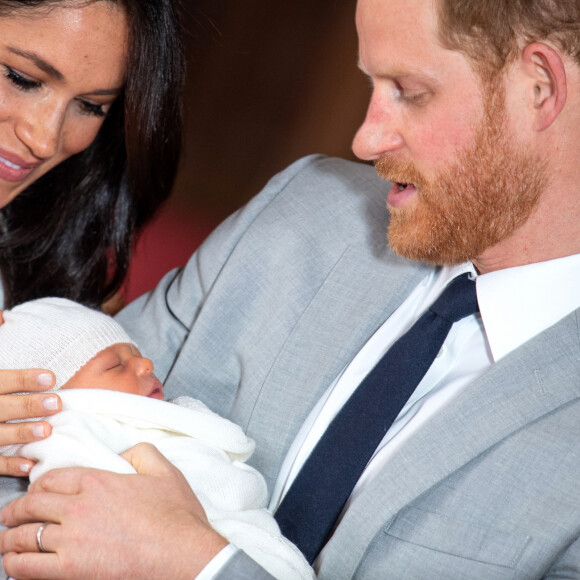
<point x="399" y="70"/>
<point x="399" y="38"/>
<point x="397" y="22"/>
<point x="406" y="10"/>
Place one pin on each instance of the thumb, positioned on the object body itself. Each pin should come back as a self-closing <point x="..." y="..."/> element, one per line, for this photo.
<point x="147" y="460"/>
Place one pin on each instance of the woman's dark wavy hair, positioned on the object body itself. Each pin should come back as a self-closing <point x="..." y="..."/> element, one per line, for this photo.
<point x="70" y="233"/>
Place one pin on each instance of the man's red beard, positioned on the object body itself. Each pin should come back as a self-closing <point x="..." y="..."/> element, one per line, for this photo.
<point x="487" y="193"/>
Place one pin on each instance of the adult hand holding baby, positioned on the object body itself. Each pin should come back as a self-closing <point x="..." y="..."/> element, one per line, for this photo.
<point x="151" y="526"/>
<point x="24" y="407"/>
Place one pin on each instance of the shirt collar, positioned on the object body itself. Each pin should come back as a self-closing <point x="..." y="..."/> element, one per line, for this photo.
<point x="518" y="303"/>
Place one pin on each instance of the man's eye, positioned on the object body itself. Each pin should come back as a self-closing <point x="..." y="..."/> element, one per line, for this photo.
<point x="413" y="97"/>
<point x="20" y="81"/>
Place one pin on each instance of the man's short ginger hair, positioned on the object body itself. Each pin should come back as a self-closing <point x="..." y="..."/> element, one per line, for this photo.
<point x="492" y="32"/>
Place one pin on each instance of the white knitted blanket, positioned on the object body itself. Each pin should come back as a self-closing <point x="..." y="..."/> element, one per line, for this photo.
<point x="96" y="425"/>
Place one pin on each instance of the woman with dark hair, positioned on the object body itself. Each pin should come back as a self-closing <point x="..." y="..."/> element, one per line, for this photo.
<point x="90" y="135"/>
<point x="70" y="232"/>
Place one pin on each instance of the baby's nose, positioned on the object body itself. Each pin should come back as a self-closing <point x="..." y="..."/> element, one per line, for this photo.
<point x="144" y="365"/>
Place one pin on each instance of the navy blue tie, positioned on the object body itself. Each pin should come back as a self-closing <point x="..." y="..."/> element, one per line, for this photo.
<point x="317" y="496"/>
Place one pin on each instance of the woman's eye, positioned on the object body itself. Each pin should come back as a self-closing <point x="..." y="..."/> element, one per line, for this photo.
<point x="20" y="81"/>
<point x="89" y="108"/>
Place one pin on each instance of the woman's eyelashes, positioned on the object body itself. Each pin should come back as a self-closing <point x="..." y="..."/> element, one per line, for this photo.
<point x="24" y="83"/>
<point x="89" y="108"/>
<point x="20" y="81"/>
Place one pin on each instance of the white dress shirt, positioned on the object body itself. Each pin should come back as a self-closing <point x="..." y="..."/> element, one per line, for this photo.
<point x="515" y="305"/>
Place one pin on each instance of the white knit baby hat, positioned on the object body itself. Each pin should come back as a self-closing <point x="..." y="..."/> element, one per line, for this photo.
<point x="55" y="334"/>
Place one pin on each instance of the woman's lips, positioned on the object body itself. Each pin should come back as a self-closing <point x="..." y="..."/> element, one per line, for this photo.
<point x="14" y="168"/>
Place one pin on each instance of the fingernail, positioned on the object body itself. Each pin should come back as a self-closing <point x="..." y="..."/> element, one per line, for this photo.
<point x="50" y="403"/>
<point x="44" y="379"/>
<point x="38" y="431"/>
<point x="25" y="468"/>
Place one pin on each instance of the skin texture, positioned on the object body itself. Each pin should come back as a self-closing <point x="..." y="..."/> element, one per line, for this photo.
<point x="426" y="101"/>
<point x="61" y="70"/>
<point x="44" y="119"/>
<point x="120" y="367"/>
<point x="463" y="209"/>
<point x="29" y="380"/>
<point x="426" y="112"/>
<point x="426" y="107"/>
<point x="162" y="508"/>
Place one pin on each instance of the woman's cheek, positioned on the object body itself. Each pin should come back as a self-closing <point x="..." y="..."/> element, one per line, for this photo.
<point x="77" y="139"/>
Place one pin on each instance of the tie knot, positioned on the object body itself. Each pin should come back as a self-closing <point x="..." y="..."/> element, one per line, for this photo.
<point x="458" y="300"/>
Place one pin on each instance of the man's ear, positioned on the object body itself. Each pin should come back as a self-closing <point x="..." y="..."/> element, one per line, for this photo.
<point x="546" y="82"/>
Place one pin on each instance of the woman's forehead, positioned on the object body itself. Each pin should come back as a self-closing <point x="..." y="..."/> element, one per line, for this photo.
<point x="11" y="7"/>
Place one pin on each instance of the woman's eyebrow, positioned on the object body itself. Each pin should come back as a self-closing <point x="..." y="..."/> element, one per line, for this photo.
<point x="39" y="62"/>
<point x="55" y="73"/>
<point x="106" y="92"/>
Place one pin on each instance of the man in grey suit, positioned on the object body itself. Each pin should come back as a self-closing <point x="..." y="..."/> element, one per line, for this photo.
<point x="277" y="319"/>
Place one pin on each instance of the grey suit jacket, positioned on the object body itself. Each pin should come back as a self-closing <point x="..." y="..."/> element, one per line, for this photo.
<point x="281" y="297"/>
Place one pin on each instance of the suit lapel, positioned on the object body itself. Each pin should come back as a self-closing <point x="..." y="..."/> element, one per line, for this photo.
<point x="353" y="301"/>
<point x="529" y="383"/>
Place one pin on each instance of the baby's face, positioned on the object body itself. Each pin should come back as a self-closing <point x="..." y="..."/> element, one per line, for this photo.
<point x="119" y="367"/>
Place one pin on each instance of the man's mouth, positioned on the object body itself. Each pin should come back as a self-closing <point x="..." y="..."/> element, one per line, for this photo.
<point x="403" y="186"/>
<point x="401" y="194"/>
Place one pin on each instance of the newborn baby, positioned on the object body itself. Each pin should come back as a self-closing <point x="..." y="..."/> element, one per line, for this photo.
<point x="99" y="371"/>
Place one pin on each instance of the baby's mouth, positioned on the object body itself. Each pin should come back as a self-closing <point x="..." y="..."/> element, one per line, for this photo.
<point x="157" y="390"/>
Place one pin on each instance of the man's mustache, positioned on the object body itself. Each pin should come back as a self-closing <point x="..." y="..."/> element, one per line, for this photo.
<point x="403" y="172"/>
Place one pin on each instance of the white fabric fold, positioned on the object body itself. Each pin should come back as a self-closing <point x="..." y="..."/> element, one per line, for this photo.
<point x="96" y="425"/>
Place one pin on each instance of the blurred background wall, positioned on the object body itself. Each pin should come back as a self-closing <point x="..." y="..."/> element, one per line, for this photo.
<point x="268" y="82"/>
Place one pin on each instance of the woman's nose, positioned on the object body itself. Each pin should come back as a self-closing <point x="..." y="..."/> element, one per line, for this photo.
<point x="40" y="129"/>
<point x="378" y="134"/>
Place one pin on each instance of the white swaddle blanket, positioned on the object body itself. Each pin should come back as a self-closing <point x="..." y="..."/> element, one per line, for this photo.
<point x="96" y="425"/>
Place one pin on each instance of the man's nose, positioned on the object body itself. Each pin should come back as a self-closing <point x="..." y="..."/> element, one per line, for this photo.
<point x="378" y="134"/>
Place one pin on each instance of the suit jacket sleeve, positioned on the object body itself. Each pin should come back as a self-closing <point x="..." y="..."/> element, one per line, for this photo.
<point x="242" y="567"/>
<point x="171" y="308"/>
